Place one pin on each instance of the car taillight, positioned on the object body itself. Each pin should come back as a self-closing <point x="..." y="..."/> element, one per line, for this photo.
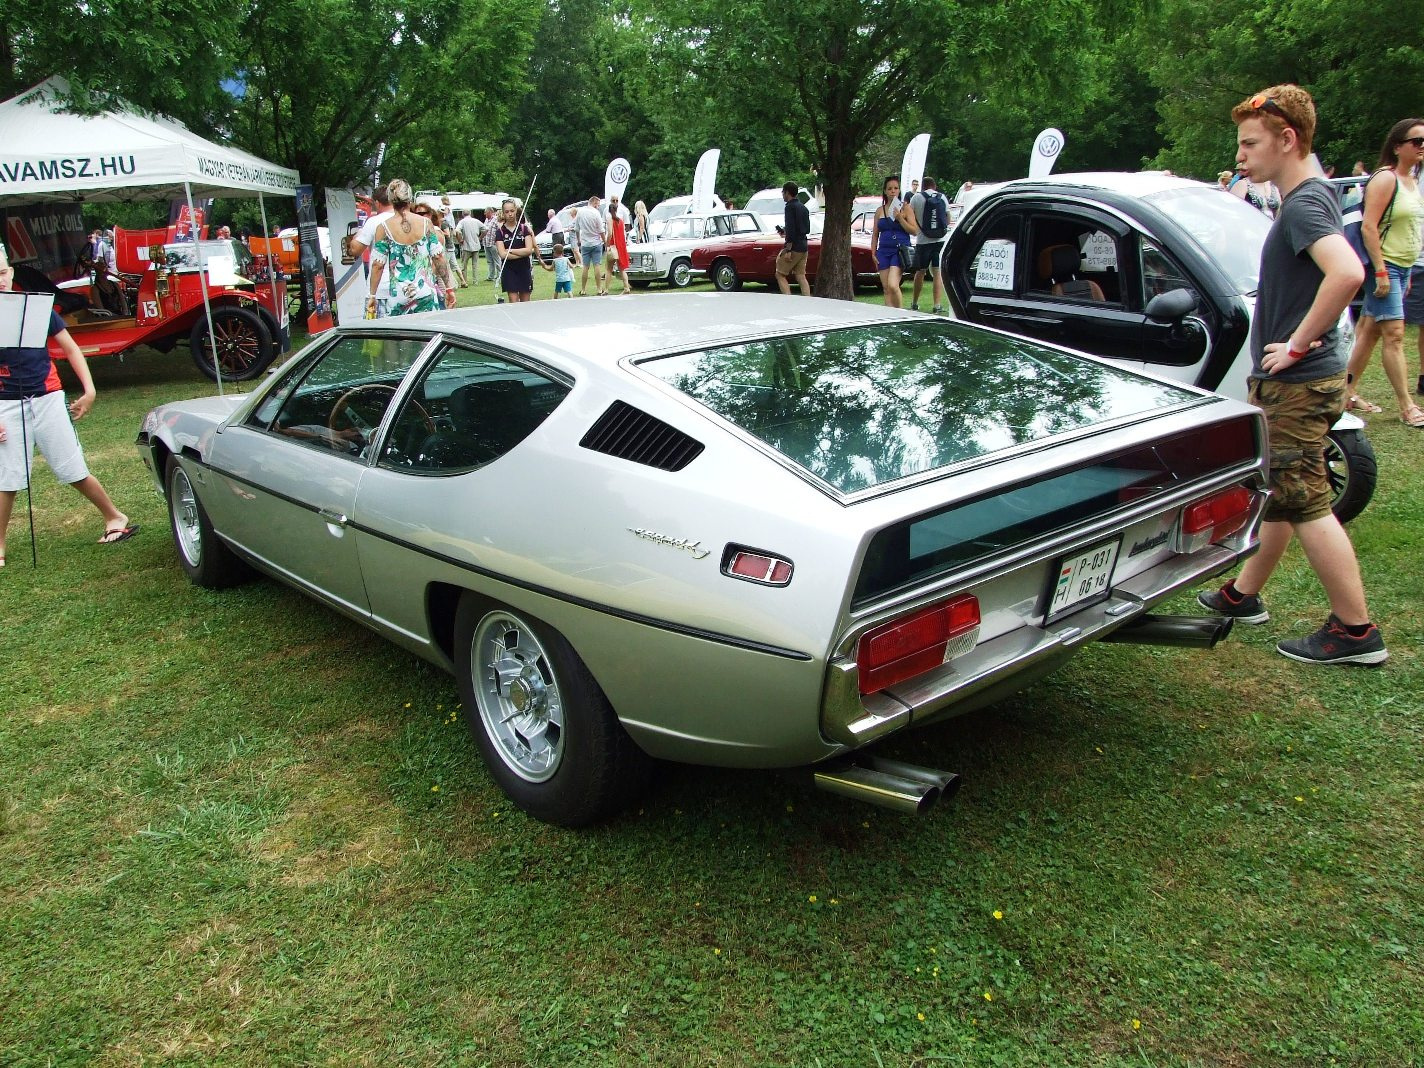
<point x="756" y="566"/>
<point x="1214" y="519"/>
<point x="904" y="648"/>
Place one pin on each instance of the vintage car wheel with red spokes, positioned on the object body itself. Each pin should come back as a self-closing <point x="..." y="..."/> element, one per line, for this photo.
<point x="245" y="346"/>
<point x="544" y="727"/>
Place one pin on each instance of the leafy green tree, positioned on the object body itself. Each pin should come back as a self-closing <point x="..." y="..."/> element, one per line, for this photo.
<point x="157" y="56"/>
<point x="326" y="82"/>
<point x="1365" y="71"/>
<point x="831" y="74"/>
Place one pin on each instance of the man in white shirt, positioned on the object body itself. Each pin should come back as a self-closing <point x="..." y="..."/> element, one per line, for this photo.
<point x="367" y="234"/>
<point x="467" y="230"/>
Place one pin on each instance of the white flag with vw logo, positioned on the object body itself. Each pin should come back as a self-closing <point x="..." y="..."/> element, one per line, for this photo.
<point x="1046" y="147"/>
<point x="615" y="180"/>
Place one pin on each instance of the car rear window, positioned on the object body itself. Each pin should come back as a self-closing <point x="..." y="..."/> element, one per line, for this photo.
<point x="865" y="406"/>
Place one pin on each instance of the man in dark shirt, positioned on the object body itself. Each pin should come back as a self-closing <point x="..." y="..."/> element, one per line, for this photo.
<point x="1308" y="275"/>
<point x="795" y="228"/>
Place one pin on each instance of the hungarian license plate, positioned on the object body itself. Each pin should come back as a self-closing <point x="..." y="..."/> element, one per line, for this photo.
<point x="1082" y="578"/>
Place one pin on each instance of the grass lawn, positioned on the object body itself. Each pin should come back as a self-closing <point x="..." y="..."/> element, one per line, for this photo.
<point x="236" y="829"/>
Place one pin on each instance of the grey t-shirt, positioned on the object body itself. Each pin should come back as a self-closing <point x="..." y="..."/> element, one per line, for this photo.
<point x="1290" y="279"/>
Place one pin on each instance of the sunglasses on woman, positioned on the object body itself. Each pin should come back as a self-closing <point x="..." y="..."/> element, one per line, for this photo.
<point x="1417" y="142"/>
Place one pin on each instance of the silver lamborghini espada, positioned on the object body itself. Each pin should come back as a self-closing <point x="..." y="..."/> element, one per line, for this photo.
<point x="738" y="530"/>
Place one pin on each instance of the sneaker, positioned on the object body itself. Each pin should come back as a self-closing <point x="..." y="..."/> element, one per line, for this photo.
<point x="938" y="309"/>
<point x="1333" y="644"/>
<point x="1248" y="608"/>
<point x="914" y="305"/>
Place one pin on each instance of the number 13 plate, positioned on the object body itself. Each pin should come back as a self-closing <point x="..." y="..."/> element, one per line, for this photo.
<point x="1082" y="578"/>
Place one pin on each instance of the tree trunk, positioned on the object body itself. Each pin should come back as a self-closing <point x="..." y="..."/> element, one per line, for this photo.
<point x="833" y="276"/>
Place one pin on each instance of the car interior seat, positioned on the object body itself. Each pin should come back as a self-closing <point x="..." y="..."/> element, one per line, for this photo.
<point x="1058" y="265"/>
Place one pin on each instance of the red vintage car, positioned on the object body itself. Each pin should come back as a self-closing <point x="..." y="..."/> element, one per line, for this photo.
<point x="164" y="290"/>
<point x="730" y="261"/>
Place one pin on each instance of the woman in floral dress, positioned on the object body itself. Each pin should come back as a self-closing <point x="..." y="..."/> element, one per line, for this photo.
<point x="405" y="259"/>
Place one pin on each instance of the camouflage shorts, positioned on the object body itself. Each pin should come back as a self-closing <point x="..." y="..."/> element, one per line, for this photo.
<point x="1298" y="418"/>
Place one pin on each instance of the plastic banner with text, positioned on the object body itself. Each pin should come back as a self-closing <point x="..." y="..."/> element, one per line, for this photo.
<point x="350" y="275"/>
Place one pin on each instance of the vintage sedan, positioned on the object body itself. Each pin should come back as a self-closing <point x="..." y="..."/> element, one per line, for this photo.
<point x="731" y="261"/>
<point x="734" y="530"/>
<point x="668" y="257"/>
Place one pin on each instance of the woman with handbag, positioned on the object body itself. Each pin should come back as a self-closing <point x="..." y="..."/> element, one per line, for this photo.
<point x="1391" y="230"/>
<point x="406" y="259"/>
<point x="894" y="223"/>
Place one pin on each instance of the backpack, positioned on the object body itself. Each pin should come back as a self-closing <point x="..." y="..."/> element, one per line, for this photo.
<point x="936" y="223"/>
<point x="1354" y="220"/>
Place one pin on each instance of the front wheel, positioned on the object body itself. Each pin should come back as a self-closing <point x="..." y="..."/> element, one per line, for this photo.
<point x="544" y="727"/>
<point x="725" y="277"/>
<point x="680" y="275"/>
<point x="1350" y="466"/>
<point x="206" y="560"/>
<point x="244" y="344"/>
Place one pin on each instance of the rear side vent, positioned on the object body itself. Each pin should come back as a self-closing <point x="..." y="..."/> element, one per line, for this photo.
<point x="630" y="434"/>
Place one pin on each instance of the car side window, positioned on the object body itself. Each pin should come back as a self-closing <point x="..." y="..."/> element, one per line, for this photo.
<point x="744" y="224"/>
<point x="469" y="410"/>
<point x="337" y="404"/>
<point x="1075" y="260"/>
<point x="1161" y="275"/>
<point x="995" y="264"/>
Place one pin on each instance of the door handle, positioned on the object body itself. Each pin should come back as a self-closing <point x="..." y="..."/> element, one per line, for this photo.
<point x="338" y="518"/>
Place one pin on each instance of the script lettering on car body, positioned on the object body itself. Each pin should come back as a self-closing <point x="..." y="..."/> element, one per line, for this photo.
<point x="685" y="544"/>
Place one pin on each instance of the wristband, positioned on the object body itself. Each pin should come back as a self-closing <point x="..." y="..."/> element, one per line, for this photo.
<point x="1292" y="354"/>
<point x="1381" y="274"/>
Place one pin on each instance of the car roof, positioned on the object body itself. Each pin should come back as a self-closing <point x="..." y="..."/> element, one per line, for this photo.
<point x="1131" y="183"/>
<point x="601" y="332"/>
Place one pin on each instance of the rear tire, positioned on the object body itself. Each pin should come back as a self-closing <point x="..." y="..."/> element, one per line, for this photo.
<point x="725" y="278"/>
<point x="245" y="345"/>
<point x="205" y="558"/>
<point x="546" y="731"/>
<point x="1351" y="468"/>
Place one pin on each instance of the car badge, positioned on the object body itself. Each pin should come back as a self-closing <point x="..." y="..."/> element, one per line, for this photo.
<point x="693" y="547"/>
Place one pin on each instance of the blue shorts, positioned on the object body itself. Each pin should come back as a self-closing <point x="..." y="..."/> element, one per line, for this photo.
<point x="564" y="287"/>
<point x="592" y="254"/>
<point x="1391" y="305"/>
<point x="1414" y="299"/>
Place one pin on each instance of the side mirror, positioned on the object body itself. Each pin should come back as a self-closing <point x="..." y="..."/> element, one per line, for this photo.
<point x="1171" y="306"/>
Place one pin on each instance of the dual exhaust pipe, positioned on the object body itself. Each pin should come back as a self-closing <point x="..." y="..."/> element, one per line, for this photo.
<point x="891" y="784"/>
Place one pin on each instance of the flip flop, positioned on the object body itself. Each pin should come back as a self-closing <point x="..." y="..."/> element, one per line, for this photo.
<point x="1414" y="417"/>
<point x="118" y="534"/>
<point x="1358" y="403"/>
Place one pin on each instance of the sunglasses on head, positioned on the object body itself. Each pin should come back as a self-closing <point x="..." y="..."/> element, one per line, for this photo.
<point x="1262" y="102"/>
<point x="1417" y="142"/>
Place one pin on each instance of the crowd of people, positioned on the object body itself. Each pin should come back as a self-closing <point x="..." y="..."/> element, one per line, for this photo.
<point x="420" y="256"/>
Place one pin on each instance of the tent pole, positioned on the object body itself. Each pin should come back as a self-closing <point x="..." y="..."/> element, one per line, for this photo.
<point x="279" y="304"/>
<point x="203" y="283"/>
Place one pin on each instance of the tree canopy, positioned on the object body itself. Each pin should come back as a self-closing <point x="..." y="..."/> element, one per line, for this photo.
<point x="466" y="94"/>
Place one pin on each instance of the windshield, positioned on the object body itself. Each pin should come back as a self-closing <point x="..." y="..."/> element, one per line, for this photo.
<point x="668" y="208"/>
<point x="1229" y="230"/>
<point x="768" y="205"/>
<point x="868" y="405"/>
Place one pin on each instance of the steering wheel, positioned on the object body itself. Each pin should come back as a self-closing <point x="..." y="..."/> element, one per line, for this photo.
<point x="343" y="407"/>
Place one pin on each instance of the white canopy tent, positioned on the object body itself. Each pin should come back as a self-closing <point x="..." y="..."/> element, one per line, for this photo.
<point x="48" y="154"/>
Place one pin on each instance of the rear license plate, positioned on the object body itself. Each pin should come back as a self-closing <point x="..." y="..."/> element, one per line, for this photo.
<point x="1082" y="578"/>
